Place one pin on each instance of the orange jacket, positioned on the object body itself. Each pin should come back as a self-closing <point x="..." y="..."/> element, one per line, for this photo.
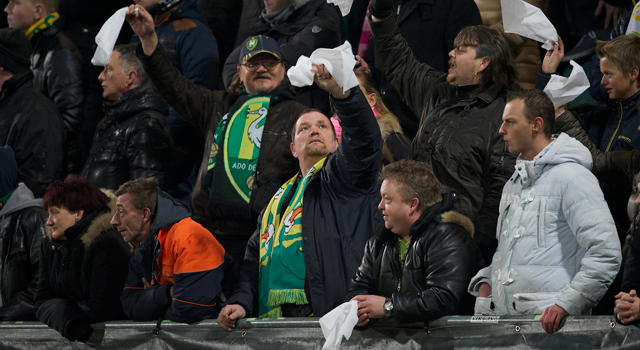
<point x="182" y="255"/>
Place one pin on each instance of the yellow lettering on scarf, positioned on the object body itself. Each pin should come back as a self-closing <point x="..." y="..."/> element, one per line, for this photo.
<point x="247" y="147"/>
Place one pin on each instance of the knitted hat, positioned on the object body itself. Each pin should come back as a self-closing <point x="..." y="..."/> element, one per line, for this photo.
<point x="15" y="50"/>
<point x="8" y="170"/>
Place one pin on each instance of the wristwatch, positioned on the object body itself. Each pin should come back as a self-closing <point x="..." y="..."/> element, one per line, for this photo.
<point x="388" y="307"/>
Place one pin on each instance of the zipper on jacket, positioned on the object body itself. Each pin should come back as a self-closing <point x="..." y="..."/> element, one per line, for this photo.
<point x="394" y="266"/>
<point x="617" y="128"/>
<point x="465" y="113"/>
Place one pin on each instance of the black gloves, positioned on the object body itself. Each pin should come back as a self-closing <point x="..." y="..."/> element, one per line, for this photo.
<point x="381" y="8"/>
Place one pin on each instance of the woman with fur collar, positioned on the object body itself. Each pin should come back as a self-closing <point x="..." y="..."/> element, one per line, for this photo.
<point x="84" y="260"/>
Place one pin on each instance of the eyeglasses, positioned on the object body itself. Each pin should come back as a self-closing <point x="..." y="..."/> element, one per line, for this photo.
<point x="268" y="65"/>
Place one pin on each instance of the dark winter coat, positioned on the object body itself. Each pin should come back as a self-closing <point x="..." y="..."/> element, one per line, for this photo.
<point x="223" y="17"/>
<point x="441" y="260"/>
<point x="57" y="71"/>
<point x="458" y="134"/>
<point x="619" y="167"/>
<point x="443" y="20"/>
<point x="131" y="141"/>
<point x="339" y="215"/>
<point x="188" y="42"/>
<point x="631" y="277"/>
<point x="81" y="278"/>
<point x="32" y="126"/>
<point x="310" y="27"/>
<point x="204" y="109"/>
<point x="612" y="125"/>
<point x="22" y="221"/>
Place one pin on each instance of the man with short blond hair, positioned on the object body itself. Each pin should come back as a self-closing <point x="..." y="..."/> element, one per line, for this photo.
<point x="612" y="125"/>
<point x="415" y="268"/>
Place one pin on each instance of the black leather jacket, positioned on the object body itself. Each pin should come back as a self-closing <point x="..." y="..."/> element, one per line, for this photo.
<point x="22" y="222"/>
<point x="32" y="126"/>
<point x="458" y="134"/>
<point x="440" y="262"/>
<point x="57" y="71"/>
<point x="81" y="278"/>
<point x="131" y="141"/>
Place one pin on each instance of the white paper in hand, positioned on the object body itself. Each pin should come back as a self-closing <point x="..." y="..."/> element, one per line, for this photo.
<point x="562" y="90"/>
<point x="338" y="322"/>
<point x="527" y="20"/>
<point x="107" y="36"/>
<point x="344" y="5"/>
<point x="339" y="62"/>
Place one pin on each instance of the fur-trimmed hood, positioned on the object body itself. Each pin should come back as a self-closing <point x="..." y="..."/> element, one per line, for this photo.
<point x="453" y="217"/>
<point x="99" y="225"/>
<point x="388" y="124"/>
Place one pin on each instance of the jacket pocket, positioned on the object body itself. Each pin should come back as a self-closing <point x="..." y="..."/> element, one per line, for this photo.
<point x="542" y="243"/>
<point x="533" y="303"/>
<point x="484" y="306"/>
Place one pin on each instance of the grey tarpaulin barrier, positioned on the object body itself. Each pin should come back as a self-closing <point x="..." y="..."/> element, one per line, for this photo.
<point x="454" y="332"/>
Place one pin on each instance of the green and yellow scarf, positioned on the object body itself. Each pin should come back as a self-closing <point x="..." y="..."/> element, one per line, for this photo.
<point x="282" y="268"/>
<point x="239" y="137"/>
<point x="42" y="25"/>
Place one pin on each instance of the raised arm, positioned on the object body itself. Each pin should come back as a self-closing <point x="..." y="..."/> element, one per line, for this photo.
<point x="358" y="159"/>
<point x="415" y="82"/>
<point x="197" y="105"/>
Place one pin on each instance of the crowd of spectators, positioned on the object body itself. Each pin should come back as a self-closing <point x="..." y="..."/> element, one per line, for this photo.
<point x="187" y="179"/>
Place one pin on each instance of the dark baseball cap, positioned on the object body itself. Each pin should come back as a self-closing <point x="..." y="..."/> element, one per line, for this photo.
<point x="259" y="44"/>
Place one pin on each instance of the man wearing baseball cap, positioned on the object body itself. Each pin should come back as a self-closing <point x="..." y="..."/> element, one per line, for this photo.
<point x="29" y="122"/>
<point x="248" y="132"/>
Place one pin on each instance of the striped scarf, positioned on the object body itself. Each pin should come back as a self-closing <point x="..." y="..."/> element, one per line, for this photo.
<point x="42" y="25"/>
<point x="282" y="267"/>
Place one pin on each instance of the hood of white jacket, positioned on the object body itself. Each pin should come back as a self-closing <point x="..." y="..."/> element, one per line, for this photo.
<point x="563" y="149"/>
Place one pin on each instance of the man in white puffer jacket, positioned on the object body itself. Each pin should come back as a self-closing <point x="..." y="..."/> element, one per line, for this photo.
<point x="558" y="250"/>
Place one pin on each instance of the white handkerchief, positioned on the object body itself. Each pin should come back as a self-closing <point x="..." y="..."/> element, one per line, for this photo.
<point x="634" y="21"/>
<point x="344" y="5"/>
<point x="562" y="90"/>
<point x="107" y="36"/>
<point x="338" y="322"/>
<point x="527" y="20"/>
<point x="339" y="62"/>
